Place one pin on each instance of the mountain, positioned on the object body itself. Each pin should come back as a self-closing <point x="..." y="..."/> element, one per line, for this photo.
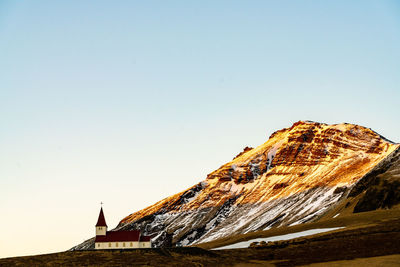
<point x="297" y="176"/>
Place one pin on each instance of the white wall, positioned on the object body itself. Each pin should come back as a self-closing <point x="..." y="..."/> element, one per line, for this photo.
<point x="145" y="244"/>
<point x="120" y="245"/>
<point x="101" y="230"/>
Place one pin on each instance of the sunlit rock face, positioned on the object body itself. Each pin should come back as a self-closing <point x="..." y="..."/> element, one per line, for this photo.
<point x="296" y="176"/>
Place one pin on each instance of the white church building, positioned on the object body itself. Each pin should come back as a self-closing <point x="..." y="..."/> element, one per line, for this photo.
<point x="118" y="239"/>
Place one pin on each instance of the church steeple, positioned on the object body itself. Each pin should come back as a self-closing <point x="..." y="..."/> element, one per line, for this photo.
<point x="101" y="221"/>
<point x="101" y="226"/>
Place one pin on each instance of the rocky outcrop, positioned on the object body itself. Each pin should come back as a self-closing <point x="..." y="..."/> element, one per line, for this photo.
<point x="296" y="176"/>
<point x="380" y="188"/>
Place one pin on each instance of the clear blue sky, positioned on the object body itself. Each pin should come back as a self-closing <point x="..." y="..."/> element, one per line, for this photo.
<point x="127" y="102"/>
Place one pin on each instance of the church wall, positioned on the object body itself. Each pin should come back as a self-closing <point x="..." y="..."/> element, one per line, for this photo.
<point x="101" y="230"/>
<point x="145" y="244"/>
<point x="120" y="245"/>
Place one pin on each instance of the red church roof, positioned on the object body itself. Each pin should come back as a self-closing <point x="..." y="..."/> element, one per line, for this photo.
<point x="120" y="236"/>
<point x="101" y="221"/>
<point x="144" y="238"/>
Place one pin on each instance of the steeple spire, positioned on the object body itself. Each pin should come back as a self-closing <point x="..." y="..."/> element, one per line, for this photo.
<point x="101" y="221"/>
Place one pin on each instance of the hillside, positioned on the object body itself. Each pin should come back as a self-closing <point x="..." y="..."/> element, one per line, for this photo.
<point x="374" y="244"/>
<point x="301" y="174"/>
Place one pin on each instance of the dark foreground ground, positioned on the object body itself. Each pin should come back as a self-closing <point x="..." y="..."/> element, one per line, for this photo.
<point x="373" y="245"/>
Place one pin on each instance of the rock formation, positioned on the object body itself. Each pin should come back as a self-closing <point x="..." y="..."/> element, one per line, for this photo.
<point x="296" y="176"/>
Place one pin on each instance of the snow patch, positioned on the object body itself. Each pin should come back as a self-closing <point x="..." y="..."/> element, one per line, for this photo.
<point x="246" y="244"/>
<point x="272" y="153"/>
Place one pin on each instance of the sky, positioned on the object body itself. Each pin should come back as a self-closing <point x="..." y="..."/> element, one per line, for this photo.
<point x="128" y="102"/>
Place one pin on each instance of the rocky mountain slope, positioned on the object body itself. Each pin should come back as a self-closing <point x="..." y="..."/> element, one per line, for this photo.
<point x="297" y="176"/>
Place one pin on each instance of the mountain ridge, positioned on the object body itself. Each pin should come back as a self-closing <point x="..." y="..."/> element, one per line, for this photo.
<point x="299" y="173"/>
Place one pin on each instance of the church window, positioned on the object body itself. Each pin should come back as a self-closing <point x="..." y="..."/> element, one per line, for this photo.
<point x="109" y="245"/>
<point x="116" y="244"/>
<point x="131" y="244"/>
<point x="123" y="244"/>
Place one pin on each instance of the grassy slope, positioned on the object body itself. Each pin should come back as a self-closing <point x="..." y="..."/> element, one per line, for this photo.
<point x="369" y="234"/>
<point x="382" y="261"/>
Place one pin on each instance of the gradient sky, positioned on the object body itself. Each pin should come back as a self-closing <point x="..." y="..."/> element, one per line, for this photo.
<point x="128" y="102"/>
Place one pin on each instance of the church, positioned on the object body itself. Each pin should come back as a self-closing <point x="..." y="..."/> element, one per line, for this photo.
<point x="118" y="239"/>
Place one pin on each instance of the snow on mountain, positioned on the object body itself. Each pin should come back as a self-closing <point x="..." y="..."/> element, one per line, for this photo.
<point x="246" y="244"/>
<point x="300" y="173"/>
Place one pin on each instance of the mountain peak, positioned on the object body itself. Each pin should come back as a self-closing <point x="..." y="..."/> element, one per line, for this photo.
<point x="297" y="175"/>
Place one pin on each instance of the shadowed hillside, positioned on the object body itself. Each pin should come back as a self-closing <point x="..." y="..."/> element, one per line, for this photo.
<point x="353" y="245"/>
